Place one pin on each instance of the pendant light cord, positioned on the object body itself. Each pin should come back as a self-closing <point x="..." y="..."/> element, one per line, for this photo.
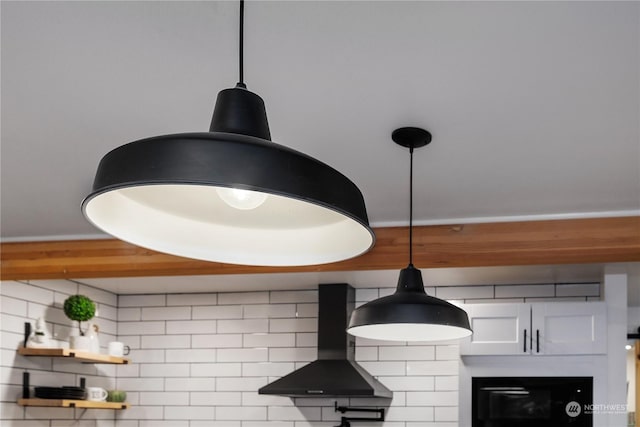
<point x="411" y="205"/>
<point x="241" y="48"/>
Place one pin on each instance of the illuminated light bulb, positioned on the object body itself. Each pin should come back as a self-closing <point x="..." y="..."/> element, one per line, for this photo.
<point x="241" y="199"/>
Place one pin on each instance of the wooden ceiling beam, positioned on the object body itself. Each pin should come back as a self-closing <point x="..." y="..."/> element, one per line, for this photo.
<point x="572" y="241"/>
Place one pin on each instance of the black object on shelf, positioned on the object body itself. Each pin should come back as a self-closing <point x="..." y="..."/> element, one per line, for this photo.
<point x="635" y="336"/>
<point x="25" y="385"/>
<point x="346" y="421"/>
<point x="27" y="332"/>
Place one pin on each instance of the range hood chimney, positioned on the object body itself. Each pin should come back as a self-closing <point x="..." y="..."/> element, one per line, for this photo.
<point x="335" y="373"/>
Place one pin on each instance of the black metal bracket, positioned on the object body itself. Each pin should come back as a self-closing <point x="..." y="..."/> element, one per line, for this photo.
<point x="27" y="332"/>
<point x="25" y="385"/>
<point x="346" y="421"/>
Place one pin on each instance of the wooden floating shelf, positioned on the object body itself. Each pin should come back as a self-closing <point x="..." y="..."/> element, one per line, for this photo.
<point x="66" y="403"/>
<point x="83" y="356"/>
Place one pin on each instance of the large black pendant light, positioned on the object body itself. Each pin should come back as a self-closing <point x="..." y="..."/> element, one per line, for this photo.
<point x="409" y="314"/>
<point x="229" y="195"/>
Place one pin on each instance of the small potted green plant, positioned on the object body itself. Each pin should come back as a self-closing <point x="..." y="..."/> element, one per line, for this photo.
<point x="79" y="308"/>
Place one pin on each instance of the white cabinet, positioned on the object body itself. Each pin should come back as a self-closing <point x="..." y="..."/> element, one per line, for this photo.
<point x="536" y="329"/>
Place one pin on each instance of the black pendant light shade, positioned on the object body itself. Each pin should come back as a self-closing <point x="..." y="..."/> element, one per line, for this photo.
<point x="410" y="314"/>
<point x="229" y="195"/>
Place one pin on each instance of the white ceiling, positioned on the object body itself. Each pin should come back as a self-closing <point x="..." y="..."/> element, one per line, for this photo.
<point x="534" y="106"/>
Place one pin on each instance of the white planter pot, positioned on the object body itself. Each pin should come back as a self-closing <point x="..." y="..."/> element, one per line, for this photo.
<point x="78" y="342"/>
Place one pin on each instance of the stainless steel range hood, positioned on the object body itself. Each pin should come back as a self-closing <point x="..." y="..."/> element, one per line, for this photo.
<point x="335" y="373"/>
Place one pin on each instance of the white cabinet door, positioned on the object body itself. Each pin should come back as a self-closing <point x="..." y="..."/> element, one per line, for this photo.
<point x="569" y="328"/>
<point x="497" y="329"/>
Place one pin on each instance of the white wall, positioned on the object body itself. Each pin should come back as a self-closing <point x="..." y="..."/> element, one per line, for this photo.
<point x="198" y="359"/>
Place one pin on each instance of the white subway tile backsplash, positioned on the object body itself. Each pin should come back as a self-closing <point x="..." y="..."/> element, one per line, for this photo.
<point x="199" y="359"/>
<point x="366" y="295"/>
<point x="129" y="314"/>
<point x="493" y="301"/>
<point x="306" y="310"/>
<point x="267" y="311"/>
<point x="408" y="413"/>
<point x="275" y="424"/>
<point x="409" y="383"/>
<point x="190" y="384"/>
<point x="242" y="354"/>
<point x="165" y="341"/>
<point x="13" y="306"/>
<point x="243" y="298"/>
<point x="578" y="289"/>
<point x="366" y="353"/>
<point x="446" y="383"/>
<point x="98" y="295"/>
<point x="242" y="326"/>
<point x="26" y="292"/>
<point x="217" y="312"/>
<point x="190" y="355"/>
<point x="293" y="325"/>
<point x="129" y="370"/>
<point x="432" y="398"/>
<point x="163" y="370"/>
<point x="448" y="352"/>
<point x="555" y="299"/>
<point x="295" y="413"/>
<point x="215" y="424"/>
<point x="522" y="291"/>
<point x="240" y="383"/>
<point x="192" y="299"/>
<point x="216" y="341"/>
<point x="141" y="384"/>
<point x="66" y="287"/>
<point x="270" y="369"/>
<point x="216" y="369"/>
<point x="166" y="313"/>
<point x="148" y="356"/>
<point x="464" y="292"/>
<point x="384" y="368"/>
<point x="269" y="340"/>
<point x="445" y="413"/>
<point x="306" y="339"/>
<point x="142" y="413"/>
<point x="141" y="328"/>
<point x="246" y="413"/>
<point x="156" y="300"/>
<point x="189" y="412"/>
<point x="250" y="398"/>
<point x="164" y="398"/>
<point x="294" y="354"/>
<point x="379" y="343"/>
<point x="157" y="423"/>
<point x="446" y="367"/>
<point x="407" y="353"/>
<point x="278" y="297"/>
<point x="213" y="398"/>
<point x="109" y="312"/>
<point x="191" y="326"/>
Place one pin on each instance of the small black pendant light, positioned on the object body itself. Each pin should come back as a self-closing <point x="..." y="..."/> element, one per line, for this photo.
<point x="229" y="195"/>
<point x="410" y="314"/>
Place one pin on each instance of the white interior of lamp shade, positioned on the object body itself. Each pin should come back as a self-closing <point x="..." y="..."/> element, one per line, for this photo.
<point x="409" y="332"/>
<point x="192" y="221"/>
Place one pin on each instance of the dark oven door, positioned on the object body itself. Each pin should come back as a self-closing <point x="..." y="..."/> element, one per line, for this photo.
<point x="531" y="402"/>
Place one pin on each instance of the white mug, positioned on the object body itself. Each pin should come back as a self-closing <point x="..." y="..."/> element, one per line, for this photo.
<point x="97" y="394"/>
<point x="118" y="349"/>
